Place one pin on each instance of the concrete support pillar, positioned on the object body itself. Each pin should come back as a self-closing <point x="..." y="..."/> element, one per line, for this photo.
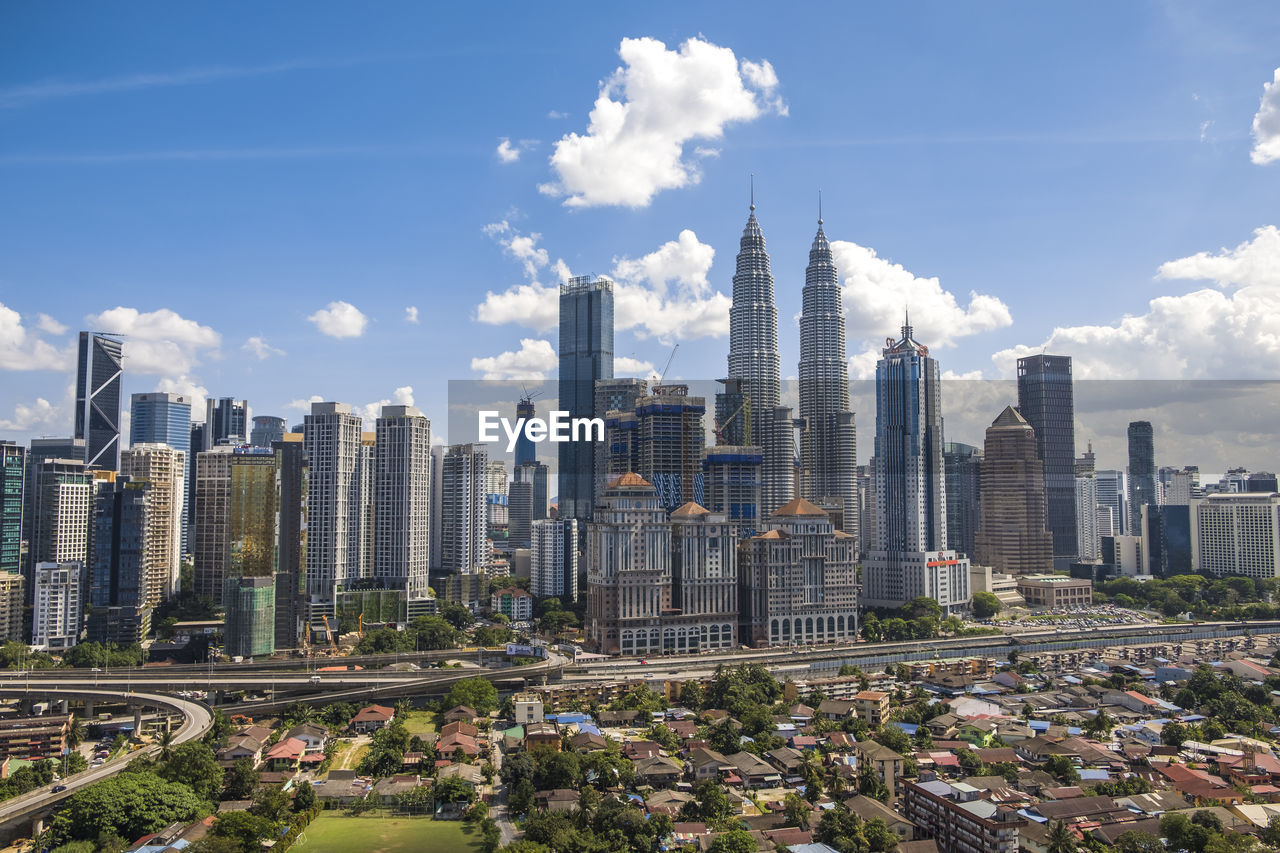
<point x="137" y="720"/>
<point x="37" y="826"/>
<point x="28" y="706"/>
<point x="63" y="707"/>
<point x="88" y="709"/>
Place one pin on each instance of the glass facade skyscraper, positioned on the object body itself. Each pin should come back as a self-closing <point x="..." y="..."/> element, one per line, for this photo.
<point x="586" y="355"/>
<point x="1046" y="400"/>
<point x="1142" y="471"/>
<point x="99" y="368"/>
<point x="160" y="418"/>
<point x="13" y="463"/>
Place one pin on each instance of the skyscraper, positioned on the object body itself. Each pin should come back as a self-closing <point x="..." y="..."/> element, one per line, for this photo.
<point x="731" y="481"/>
<point x="908" y="555"/>
<point x="464" y="512"/>
<point x="670" y="440"/>
<point x="704" y="581"/>
<point x="1088" y="537"/>
<point x="963" y="463"/>
<point x="553" y="558"/>
<point x="226" y="421"/>
<point x="252" y="555"/>
<point x="291" y="576"/>
<point x="59" y="608"/>
<point x="165" y="468"/>
<point x="402" y="496"/>
<point x="99" y="369"/>
<point x="266" y="429"/>
<point x="60" y="511"/>
<point x="159" y="417"/>
<point x="118" y="564"/>
<point x="828" y="442"/>
<point x="1142" y="471"/>
<point x="586" y="356"/>
<point x="332" y="442"/>
<point x="1111" y="503"/>
<point x="13" y="476"/>
<point x="526" y="450"/>
<point x="1046" y="400"/>
<point x="753" y="359"/>
<point x="1012" y="538"/>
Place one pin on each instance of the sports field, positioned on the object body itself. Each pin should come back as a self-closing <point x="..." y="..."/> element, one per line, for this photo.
<point x="338" y="833"/>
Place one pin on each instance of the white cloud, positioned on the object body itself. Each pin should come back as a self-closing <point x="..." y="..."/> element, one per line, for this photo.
<point x="48" y="324"/>
<point x="523" y="247"/>
<point x="666" y="294"/>
<point x="411" y="314"/>
<point x="534" y="360"/>
<point x="556" y="114"/>
<point x="258" y="346"/>
<point x="340" y="320"/>
<point x="20" y="349"/>
<point x="304" y="405"/>
<point x="31" y="417"/>
<point x="876" y="293"/>
<point x="533" y="305"/>
<point x="1231" y="331"/>
<point x="507" y="153"/>
<point x="1266" y="124"/>
<point x="160" y="342"/>
<point x="624" y="366"/>
<point x="188" y="386"/>
<point x="647" y="110"/>
<point x="402" y="396"/>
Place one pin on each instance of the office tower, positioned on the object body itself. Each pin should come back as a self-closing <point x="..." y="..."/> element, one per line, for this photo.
<point x="118" y="564"/>
<point x="615" y="399"/>
<point x="250" y="616"/>
<point x="1236" y="534"/>
<point x="1181" y="486"/>
<point x="520" y="509"/>
<point x="1235" y="481"/>
<point x="731" y="482"/>
<point x="586" y="356"/>
<point x="704" y="582"/>
<point x="334" y="515"/>
<point x="1012" y="538"/>
<point x="267" y="429"/>
<point x="402" y="501"/>
<point x="465" y="512"/>
<point x="1088" y="535"/>
<point x="497" y="477"/>
<point x="1046" y="400"/>
<point x="526" y="450"/>
<point x="799" y="580"/>
<point x="1166" y="540"/>
<point x="1111" y="495"/>
<point x="11" y="601"/>
<point x="363" y="536"/>
<point x="252" y="549"/>
<point x="963" y="465"/>
<point x="437" y="506"/>
<point x="1142" y="471"/>
<point x="160" y="418"/>
<point x="210" y="534"/>
<point x="165" y="468"/>
<point x="753" y="360"/>
<point x="59" y="608"/>
<point x="828" y="441"/>
<point x="1087" y="464"/>
<point x="733" y="414"/>
<point x="13" y="477"/>
<point x="291" y="575"/>
<point x="197" y="445"/>
<point x="1262" y="481"/>
<point x="61" y="497"/>
<point x="553" y="558"/>
<point x="628" y="569"/>
<point x="226" y="421"/>
<point x="99" y="368"/>
<point x="670" y="443"/>
<point x="908" y="555"/>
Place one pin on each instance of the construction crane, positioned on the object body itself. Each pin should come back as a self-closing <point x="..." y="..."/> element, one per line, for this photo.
<point x="667" y="366"/>
<point x="328" y="630"/>
<point x="745" y="411"/>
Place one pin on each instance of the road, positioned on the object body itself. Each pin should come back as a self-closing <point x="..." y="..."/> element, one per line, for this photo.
<point x="197" y="719"/>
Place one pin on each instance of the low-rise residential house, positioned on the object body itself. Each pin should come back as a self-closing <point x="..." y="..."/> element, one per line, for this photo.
<point x="447" y="745"/>
<point x="459" y="728"/>
<point x="658" y="771"/>
<point x="667" y="802"/>
<point x="559" y="800"/>
<point x="705" y="763"/>
<point x="386" y="790"/>
<point x="873" y="707"/>
<point x="241" y="746"/>
<point x="619" y="719"/>
<point x="588" y="742"/>
<point x="538" y="735"/>
<point x="341" y="788"/>
<point x="754" y="772"/>
<point x="789" y="761"/>
<point x="837" y="709"/>
<point x="869" y="807"/>
<point x="314" y="735"/>
<point x="372" y="718"/>
<point x="460" y="714"/>
<point x="469" y="773"/>
<point x="284" y="755"/>
<point x="637" y="750"/>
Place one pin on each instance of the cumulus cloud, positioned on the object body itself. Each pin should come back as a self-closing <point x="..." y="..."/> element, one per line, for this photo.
<point x="532" y="304"/>
<point x="666" y="294"/>
<point x="624" y="366"/>
<point x="260" y="349"/>
<point x="1231" y="330"/>
<point x="876" y="292"/>
<point x="647" y="111"/>
<point x="188" y="386"/>
<point x="45" y="323"/>
<point x="22" y="349"/>
<point x="411" y="314"/>
<point x="523" y="247"/>
<point x="507" y="153"/>
<point x="304" y="404"/>
<point x="160" y="342"/>
<point x="402" y="396"/>
<point x="556" y="114"/>
<point x="1266" y="124"/>
<point x="534" y="360"/>
<point x="37" y="417"/>
<point x="340" y="320"/>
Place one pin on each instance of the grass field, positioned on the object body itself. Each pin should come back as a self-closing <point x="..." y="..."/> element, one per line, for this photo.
<point x="348" y="755"/>
<point x="420" y="723"/>
<point x="336" y="833"/>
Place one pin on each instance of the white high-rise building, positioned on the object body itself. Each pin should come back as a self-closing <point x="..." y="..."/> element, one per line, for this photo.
<point x="1236" y="534"/>
<point x="464" y="539"/>
<point x="363" y="534"/>
<point x="402" y="500"/>
<point x="166" y="469"/>
<point x="334" y="511"/>
<point x="59" y="605"/>
<point x="553" y="558"/>
<point x="1181" y="487"/>
<point x="1088" y="540"/>
<point x="497" y="477"/>
<point x="1111" y="494"/>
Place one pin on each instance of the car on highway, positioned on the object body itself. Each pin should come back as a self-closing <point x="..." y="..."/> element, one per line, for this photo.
<point x="58" y="789"/>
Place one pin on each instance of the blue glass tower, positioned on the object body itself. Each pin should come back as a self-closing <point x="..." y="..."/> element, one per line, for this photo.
<point x="586" y="355"/>
<point x="161" y="418"/>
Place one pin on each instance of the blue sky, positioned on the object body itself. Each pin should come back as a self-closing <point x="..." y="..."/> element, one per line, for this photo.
<point x="214" y="178"/>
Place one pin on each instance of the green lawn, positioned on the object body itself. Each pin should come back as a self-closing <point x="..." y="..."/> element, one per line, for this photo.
<point x="420" y="723"/>
<point x="337" y="833"/>
<point x="347" y="756"/>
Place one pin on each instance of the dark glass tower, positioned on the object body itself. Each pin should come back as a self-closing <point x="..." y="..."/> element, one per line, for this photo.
<point x="526" y="453"/>
<point x="1046" y="400"/>
<point x="586" y="356"/>
<point x="963" y="463"/>
<point x="13" y="464"/>
<point x="226" y="420"/>
<point x="99" y="369"/>
<point x="1142" y="471"/>
<point x="160" y="418"/>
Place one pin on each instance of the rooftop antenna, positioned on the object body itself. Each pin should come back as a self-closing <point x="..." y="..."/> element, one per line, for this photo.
<point x="753" y="190"/>
<point x="819" y="207"/>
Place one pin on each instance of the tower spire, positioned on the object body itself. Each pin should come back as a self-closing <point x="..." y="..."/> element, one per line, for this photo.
<point x="906" y="323"/>
<point x="819" y="208"/>
<point x="753" y="191"/>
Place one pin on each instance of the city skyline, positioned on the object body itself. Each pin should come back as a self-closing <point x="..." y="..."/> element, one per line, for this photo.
<point x="952" y="216"/>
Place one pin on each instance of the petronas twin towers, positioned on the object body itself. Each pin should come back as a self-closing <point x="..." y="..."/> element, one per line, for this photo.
<point x="825" y="469"/>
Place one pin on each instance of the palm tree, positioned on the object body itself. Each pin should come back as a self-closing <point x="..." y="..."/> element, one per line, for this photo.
<point x="166" y="744"/>
<point x="75" y="735"/>
<point x="1061" y="840"/>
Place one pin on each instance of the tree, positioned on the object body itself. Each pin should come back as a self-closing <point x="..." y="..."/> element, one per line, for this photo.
<point x="212" y="844"/>
<point x="1173" y="734"/>
<point x="243" y="827"/>
<point x="453" y="790"/>
<point x="271" y="804"/>
<point x="733" y="841"/>
<point x="240" y="781"/>
<point x="985" y="604"/>
<point x="475" y="693"/>
<point x="713" y="804"/>
<point x="431" y="633"/>
<point x="691" y="695"/>
<point x="521" y="799"/>
<point x="381" y="641"/>
<point x="1061" y="767"/>
<point x="1060" y="838"/>
<point x="1100" y="724"/>
<point x="1134" y="841"/>
<point x="878" y="836"/>
<point x="796" y="810"/>
<point x="893" y="737"/>
<point x="195" y="765"/>
<point x="456" y="614"/>
<point x="922" y="606"/>
<point x="129" y="805"/>
<point x="305" y="799"/>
